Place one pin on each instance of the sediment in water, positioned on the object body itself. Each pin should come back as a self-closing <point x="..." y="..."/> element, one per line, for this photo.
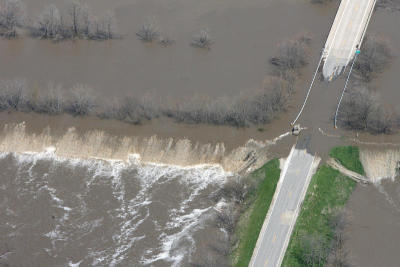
<point x="380" y="164"/>
<point x="101" y="145"/>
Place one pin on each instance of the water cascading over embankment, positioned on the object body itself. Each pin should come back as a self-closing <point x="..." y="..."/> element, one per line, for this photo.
<point x="380" y="164"/>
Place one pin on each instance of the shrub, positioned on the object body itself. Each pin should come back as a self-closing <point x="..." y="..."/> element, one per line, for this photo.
<point x="362" y="110"/>
<point x="80" y="101"/>
<point x="374" y="57"/>
<point x="77" y="23"/>
<point x="202" y="40"/>
<point x="292" y="55"/>
<point x="148" y="32"/>
<point x="12" y="15"/>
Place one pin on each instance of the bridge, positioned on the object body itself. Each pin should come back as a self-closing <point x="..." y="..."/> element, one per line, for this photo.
<point x="342" y="47"/>
<point x="346" y="35"/>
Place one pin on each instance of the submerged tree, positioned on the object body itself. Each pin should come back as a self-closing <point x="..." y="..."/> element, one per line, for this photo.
<point x="202" y="40"/>
<point x="79" y="23"/>
<point x="12" y="15"/>
<point x="49" y="22"/>
<point x="374" y="57"/>
<point x="148" y="32"/>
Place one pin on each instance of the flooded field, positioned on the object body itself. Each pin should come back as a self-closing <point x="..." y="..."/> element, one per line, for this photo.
<point x="63" y="207"/>
<point x="246" y="36"/>
<point x="373" y="232"/>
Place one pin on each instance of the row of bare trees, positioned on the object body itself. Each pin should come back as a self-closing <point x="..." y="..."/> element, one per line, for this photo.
<point x="12" y="16"/>
<point x="77" y="22"/>
<point x="80" y="100"/>
<point x="256" y="107"/>
<point x="249" y="108"/>
<point x="376" y="54"/>
<point x="362" y="108"/>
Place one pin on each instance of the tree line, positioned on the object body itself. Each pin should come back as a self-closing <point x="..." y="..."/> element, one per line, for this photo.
<point x="77" y="21"/>
<point x="362" y="108"/>
<point x="250" y="108"/>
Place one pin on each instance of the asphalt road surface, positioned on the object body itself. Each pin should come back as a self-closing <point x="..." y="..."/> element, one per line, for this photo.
<point x="278" y="225"/>
<point x="346" y="34"/>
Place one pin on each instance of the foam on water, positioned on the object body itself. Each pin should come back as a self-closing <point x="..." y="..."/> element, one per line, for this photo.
<point x="175" y="240"/>
<point x="97" y="144"/>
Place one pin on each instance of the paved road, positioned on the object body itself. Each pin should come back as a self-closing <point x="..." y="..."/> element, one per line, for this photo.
<point x="347" y="32"/>
<point x="275" y="234"/>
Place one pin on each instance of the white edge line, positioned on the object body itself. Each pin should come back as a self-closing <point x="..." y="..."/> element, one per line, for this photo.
<point x="337" y="28"/>
<point x="313" y="166"/>
<point x="271" y="207"/>
<point x="360" y="28"/>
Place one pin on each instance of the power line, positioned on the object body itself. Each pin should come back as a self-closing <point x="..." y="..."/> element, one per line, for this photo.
<point x="345" y="86"/>
<point x="308" y="93"/>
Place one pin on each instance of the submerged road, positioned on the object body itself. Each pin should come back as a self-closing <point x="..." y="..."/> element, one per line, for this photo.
<point x="278" y="225"/>
<point x="347" y="33"/>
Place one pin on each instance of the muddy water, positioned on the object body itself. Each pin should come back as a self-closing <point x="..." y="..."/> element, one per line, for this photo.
<point x="324" y="98"/>
<point x="373" y="234"/>
<point x="245" y="34"/>
<point x="96" y="212"/>
<point x="59" y="212"/>
<point x="95" y="199"/>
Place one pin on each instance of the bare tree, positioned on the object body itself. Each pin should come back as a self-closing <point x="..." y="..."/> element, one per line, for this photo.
<point x="80" y="24"/>
<point x="13" y="94"/>
<point x="50" y="101"/>
<point x="148" y="32"/>
<point x="292" y="55"/>
<point x="75" y="15"/>
<point x="314" y="250"/>
<point x="374" y="57"/>
<point x="202" y="40"/>
<point x="361" y="110"/>
<point x="12" y="15"/>
<point x="338" y="254"/>
<point x="109" y="25"/>
<point x="49" y="22"/>
<point x="81" y="101"/>
<point x="166" y="41"/>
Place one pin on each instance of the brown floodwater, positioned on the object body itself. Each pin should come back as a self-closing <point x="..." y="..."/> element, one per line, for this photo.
<point x="373" y="233"/>
<point x="246" y="35"/>
<point x="70" y="212"/>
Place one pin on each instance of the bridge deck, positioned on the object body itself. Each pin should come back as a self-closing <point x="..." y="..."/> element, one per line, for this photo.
<point x="346" y="34"/>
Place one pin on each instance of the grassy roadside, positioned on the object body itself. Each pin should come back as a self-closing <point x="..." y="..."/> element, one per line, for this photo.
<point x="349" y="157"/>
<point x="251" y="221"/>
<point x="327" y="194"/>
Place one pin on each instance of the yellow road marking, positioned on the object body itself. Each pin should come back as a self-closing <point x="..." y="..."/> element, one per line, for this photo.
<point x="274" y="238"/>
<point x="266" y="263"/>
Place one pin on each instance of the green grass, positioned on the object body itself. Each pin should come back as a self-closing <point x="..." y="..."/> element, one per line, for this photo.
<point x="328" y="192"/>
<point x="349" y="157"/>
<point x="252" y="220"/>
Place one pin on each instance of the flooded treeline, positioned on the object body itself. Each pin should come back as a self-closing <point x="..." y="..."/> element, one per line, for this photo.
<point x="255" y="107"/>
<point x="362" y="108"/>
<point x="76" y="21"/>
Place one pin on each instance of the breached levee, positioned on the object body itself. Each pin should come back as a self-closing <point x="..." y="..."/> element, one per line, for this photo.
<point x="97" y="144"/>
<point x="380" y="164"/>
